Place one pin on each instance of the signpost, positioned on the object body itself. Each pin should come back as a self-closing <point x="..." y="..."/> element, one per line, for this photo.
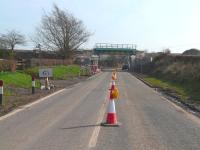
<point x="46" y="73"/>
<point x="1" y="92"/>
<point x="33" y="85"/>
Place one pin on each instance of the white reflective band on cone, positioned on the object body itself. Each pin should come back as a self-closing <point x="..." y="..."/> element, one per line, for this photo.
<point x="33" y="83"/>
<point x="111" y="107"/>
<point x="1" y="89"/>
<point x="113" y="82"/>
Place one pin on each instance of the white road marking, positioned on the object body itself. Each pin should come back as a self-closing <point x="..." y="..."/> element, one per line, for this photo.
<point x="96" y="75"/>
<point x="95" y="134"/>
<point x="29" y="105"/>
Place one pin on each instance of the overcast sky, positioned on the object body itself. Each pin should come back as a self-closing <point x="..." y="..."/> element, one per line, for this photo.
<point x="151" y="24"/>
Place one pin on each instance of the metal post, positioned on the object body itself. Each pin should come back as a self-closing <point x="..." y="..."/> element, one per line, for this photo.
<point x="1" y="92"/>
<point x="130" y="62"/>
<point x="33" y="85"/>
<point x="47" y="84"/>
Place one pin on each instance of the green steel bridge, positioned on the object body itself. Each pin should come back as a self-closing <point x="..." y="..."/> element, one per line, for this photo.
<point x="106" y="48"/>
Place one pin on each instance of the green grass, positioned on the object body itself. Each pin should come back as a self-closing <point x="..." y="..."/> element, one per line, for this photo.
<point x="64" y="72"/>
<point x="33" y="71"/>
<point x="59" y="72"/>
<point x="22" y="79"/>
<point x="16" y="79"/>
<point x="185" y="90"/>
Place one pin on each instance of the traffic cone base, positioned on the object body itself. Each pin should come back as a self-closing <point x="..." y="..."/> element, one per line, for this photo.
<point x="111" y="120"/>
<point x="111" y="116"/>
<point x="105" y="124"/>
<point x="110" y="125"/>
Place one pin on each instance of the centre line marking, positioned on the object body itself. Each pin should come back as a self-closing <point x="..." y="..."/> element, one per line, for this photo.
<point x="95" y="134"/>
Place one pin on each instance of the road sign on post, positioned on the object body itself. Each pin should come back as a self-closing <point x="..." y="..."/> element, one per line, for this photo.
<point x="45" y="73"/>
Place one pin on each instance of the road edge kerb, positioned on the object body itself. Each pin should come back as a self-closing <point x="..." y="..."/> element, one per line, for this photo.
<point x="94" y="76"/>
<point x="185" y="106"/>
<point x="28" y="105"/>
<point x="21" y="107"/>
<point x="36" y="101"/>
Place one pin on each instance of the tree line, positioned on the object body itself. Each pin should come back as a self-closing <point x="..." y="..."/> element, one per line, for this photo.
<point x="58" y="31"/>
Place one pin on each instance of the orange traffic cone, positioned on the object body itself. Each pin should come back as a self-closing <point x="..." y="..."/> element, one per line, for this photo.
<point x="111" y="115"/>
<point x="111" y="119"/>
<point x="112" y="87"/>
<point x="114" y="75"/>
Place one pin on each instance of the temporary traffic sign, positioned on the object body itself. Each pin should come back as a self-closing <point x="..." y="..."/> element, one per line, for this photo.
<point x="45" y="72"/>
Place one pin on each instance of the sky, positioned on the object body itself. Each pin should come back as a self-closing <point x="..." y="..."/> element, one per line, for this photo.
<point x="152" y="25"/>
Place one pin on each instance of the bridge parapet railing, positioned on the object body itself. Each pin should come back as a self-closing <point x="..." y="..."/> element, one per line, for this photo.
<point x="108" y="45"/>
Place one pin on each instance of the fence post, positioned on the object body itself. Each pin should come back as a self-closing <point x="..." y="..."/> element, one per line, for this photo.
<point x="33" y="85"/>
<point x="1" y="92"/>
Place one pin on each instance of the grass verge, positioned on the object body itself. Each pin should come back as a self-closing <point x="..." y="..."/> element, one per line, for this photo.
<point x="22" y="79"/>
<point x="60" y="72"/>
<point x="189" y="90"/>
<point x="17" y="79"/>
<point x="64" y="72"/>
<point x="17" y="85"/>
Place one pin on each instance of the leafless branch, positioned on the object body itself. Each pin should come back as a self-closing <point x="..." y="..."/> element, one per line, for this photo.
<point x="61" y="31"/>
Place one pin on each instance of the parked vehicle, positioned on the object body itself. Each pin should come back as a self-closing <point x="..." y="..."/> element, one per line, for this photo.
<point x="125" y="67"/>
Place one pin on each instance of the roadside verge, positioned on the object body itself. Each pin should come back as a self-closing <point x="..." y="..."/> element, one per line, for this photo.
<point x="25" y="97"/>
<point x="172" y="96"/>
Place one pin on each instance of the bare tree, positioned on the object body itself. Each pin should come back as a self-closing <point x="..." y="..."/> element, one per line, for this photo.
<point x="166" y="51"/>
<point x="3" y="44"/>
<point x="12" y="38"/>
<point x="60" y="30"/>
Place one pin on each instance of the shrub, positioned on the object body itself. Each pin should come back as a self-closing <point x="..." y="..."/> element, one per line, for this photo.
<point x="7" y="65"/>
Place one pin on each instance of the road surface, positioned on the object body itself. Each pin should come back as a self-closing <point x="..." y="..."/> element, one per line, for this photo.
<point x="69" y="120"/>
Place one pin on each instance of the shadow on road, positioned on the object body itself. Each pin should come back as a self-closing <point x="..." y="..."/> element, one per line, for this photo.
<point x="83" y="126"/>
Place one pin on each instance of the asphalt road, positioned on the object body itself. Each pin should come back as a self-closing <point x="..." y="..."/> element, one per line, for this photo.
<point x="69" y="120"/>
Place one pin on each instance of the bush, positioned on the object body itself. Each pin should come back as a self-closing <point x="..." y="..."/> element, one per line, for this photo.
<point x="7" y="65"/>
<point x="34" y="71"/>
<point x="177" y="68"/>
